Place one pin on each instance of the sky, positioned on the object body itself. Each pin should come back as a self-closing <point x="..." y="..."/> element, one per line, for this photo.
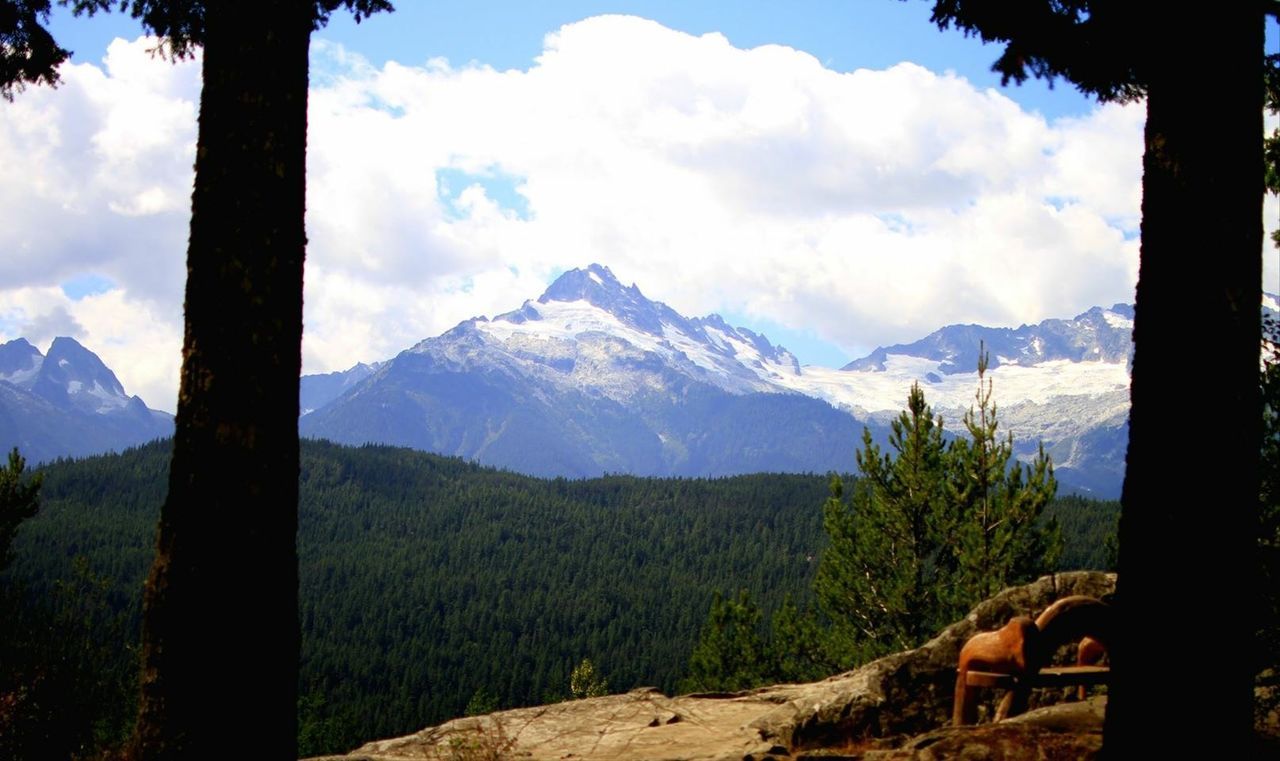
<point x="837" y="175"/>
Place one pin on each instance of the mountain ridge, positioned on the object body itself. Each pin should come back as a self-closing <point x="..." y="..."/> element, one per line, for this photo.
<point x="68" y="403"/>
<point x="592" y="375"/>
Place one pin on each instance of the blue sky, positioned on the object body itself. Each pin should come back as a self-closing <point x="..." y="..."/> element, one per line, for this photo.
<point x="836" y="175"/>
<point x="506" y="34"/>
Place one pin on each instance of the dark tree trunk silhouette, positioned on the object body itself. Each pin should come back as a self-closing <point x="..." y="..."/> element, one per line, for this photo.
<point x="1191" y="486"/>
<point x="1190" y="499"/>
<point x="220" y="635"/>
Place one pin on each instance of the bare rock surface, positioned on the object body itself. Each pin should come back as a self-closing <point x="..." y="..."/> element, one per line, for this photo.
<point x="1066" y="732"/>
<point x="899" y="705"/>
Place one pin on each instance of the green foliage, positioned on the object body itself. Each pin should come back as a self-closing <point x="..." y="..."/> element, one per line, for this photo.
<point x="1088" y="42"/>
<point x="997" y="503"/>
<point x="731" y="653"/>
<point x="28" y="54"/>
<point x="482" y="702"/>
<point x="318" y="730"/>
<point x="930" y="530"/>
<point x="19" y="500"/>
<point x="1271" y="143"/>
<point x="68" y="668"/>
<point x="1088" y="528"/>
<point x="886" y="579"/>
<point x="798" y="648"/>
<point x="431" y="587"/>
<point x="585" y="682"/>
<point x="425" y="579"/>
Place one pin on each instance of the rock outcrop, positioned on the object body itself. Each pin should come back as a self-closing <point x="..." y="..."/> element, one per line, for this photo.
<point x="896" y="707"/>
<point x="911" y="692"/>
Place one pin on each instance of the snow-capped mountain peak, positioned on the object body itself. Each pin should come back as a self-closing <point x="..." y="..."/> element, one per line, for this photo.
<point x="593" y="331"/>
<point x="593" y="375"/>
<point x="1098" y="335"/>
<point x="68" y="403"/>
<point x="69" y="376"/>
<point x="597" y="286"/>
<point x="19" y="362"/>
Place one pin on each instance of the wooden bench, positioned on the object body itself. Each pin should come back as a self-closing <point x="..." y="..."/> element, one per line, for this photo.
<point x="1055" y="676"/>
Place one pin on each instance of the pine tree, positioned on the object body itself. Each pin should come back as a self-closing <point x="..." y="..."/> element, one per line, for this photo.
<point x="19" y="500"/>
<point x="730" y="654"/>
<point x="885" y="579"/>
<point x="930" y="529"/>
<point x="997" y="504"/>
<point x="797" y="649"/>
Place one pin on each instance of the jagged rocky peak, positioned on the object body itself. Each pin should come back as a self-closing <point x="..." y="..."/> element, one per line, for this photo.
<point x="72" y="374"/>
<point x="68" y="363"/>
<point x="597" y="285"/>
<point x="68" y="404"/>
<point x="1100" y="335"/>
<point x="19" y="361"/>
<point x="315" y="391"/>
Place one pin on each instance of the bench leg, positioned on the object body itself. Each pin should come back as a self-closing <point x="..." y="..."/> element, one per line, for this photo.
<point x="1013" y="703"/>
<point x="964" y="709"/>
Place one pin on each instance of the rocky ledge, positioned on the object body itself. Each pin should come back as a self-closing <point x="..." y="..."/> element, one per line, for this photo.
<point x="896" y="707"/>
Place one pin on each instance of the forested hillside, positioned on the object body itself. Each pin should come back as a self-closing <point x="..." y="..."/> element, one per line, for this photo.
<point x="428" y="583"/>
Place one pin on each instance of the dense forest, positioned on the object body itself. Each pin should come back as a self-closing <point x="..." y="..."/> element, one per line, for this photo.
<point x="430" y="585"/>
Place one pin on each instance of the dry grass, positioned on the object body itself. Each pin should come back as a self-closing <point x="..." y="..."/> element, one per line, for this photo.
<point x="484" y="743"/>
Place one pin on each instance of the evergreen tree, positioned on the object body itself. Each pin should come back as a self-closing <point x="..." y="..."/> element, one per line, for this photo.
<point x="730" y="654"/>
<point x="798" y="648"/>
<point x="885" y="580"/>
<point x="930" y="530"/>
<point x="999" y="539"/>
<point x="19" y="500"/>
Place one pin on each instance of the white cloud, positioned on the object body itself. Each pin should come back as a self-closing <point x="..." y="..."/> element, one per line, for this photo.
<point x="869" y="206"/>
<point x="96" y="178"/>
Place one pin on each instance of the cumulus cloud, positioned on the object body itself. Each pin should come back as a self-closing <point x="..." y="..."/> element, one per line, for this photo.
<point x="46" y="326"/>
<point x="866" y="207"/>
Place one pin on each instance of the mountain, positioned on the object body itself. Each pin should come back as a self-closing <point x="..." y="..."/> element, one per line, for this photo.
<point x="315" y="391"/>
<point x="594" y="377"/>
<point x="68" y="404"/>
<point x="1098" y="335"/>
<point x="1063" y="383"/>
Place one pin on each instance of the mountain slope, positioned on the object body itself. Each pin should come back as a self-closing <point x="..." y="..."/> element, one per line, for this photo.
<point x="594" y="377"/>
<point x="1098" y="335"/>
<point x="68" y="404"/>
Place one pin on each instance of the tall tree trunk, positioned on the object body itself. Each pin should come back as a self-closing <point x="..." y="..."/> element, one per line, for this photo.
<point x="220" y="631"/>
<point x="1191" y="488"/>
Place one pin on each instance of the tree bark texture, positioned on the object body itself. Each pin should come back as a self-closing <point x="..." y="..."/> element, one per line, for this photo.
<point x="1191" y="485"/>
<point x="220" y="630"/>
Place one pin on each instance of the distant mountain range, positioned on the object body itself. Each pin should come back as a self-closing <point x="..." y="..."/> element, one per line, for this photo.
<point x="593" y="377"/>
<point x="68" y="404"/>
